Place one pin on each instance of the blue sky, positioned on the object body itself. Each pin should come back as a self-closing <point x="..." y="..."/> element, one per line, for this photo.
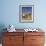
<point x="26" y="9"/>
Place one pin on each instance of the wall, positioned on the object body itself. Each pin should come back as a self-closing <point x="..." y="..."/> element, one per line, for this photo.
<point x="9" y="13"/>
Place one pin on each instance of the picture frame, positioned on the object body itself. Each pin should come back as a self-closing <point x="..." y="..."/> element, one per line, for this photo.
<point x="26" y="13"/>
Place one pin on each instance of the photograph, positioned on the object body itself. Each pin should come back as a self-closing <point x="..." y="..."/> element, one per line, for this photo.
<point x="26" y="13"/>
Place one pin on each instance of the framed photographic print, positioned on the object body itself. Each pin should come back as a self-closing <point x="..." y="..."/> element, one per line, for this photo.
<point x="26" y="13"/>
